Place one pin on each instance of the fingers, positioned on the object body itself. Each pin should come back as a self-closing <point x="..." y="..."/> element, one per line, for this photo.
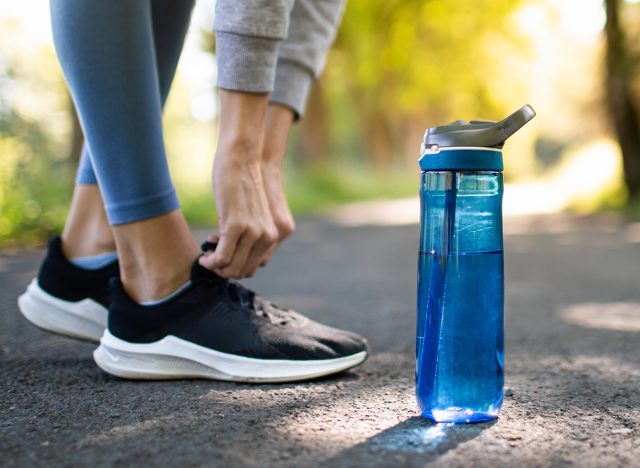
<point x="264" y="247"/>
<point x="285" y="226"/>
<point x="264" y="261"/>
<point x="236" y="268"/>
<point x="222" y="256"/>
<point x="243" y="249"/>
<point x="240" y="251"/>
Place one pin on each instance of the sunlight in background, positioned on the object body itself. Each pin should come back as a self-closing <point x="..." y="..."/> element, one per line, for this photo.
<point x="565" y="73"/>
<point x="418" y="437"/>
<point x="33" y="16"/>
<point x="621" y="316"/>
<point x="577" y="183"/>
<point x="582" y="19"/>
<point x="196" y="69"/>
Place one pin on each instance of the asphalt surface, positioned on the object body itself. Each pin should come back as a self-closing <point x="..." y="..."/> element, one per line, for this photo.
<point x="572" y="357"/>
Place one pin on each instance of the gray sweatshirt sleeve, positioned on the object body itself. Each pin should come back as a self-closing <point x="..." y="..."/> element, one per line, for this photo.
<point x="274" y="46"/>
<point x="247" y="36"/>
<point x="301" y="56"/>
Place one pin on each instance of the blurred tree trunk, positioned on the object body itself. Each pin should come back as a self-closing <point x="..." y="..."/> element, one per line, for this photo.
<point x="622" y="107"/>
<point x="376" y="133"/>
<point x="377" y="138"/>
<point x="77" y="138"/>
<point x="313" y="145"/>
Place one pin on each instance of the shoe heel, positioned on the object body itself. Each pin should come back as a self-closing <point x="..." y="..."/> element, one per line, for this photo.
<point x="62" y="317"/>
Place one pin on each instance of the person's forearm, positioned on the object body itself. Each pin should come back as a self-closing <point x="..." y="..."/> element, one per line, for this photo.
<point x="241" y="120"/>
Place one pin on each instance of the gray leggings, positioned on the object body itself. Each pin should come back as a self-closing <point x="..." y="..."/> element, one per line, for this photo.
<point x="119" y="58"/>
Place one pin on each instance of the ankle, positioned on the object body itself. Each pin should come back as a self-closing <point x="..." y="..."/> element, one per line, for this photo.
<point x="87" y="230"/>
<point x="156" y="256"/>
<point x="149" y="286"/>
<point x="87" y="241"/>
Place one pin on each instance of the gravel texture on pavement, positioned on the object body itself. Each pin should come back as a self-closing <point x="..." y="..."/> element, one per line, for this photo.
<point x="572" y="357"/>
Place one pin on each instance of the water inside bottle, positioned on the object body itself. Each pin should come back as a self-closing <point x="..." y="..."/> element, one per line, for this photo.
<point x="460" y="351"/>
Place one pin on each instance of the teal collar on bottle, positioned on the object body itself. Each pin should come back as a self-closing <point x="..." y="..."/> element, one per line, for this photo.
<point x="437" y="158"/>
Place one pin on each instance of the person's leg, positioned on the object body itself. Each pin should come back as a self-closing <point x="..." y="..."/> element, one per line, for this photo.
<point x="107" y="54"/>
<point x="87" y="231"/>
<point x="213" y="328"/>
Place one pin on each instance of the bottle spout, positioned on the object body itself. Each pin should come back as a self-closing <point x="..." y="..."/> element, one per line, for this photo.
<point x="478" y="133"/>
<point x="515" y="121"/>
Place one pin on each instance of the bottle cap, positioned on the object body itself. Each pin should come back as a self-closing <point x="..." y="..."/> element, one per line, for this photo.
<point x="474" y="145"/>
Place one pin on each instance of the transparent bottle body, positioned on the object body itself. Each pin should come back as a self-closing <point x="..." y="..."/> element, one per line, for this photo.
<point x="460" y="331"/>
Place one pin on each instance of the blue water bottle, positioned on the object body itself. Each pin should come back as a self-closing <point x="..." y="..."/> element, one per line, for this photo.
<point x="460" y="335"/>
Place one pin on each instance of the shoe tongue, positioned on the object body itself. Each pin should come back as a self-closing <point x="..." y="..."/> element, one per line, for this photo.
<point x="198" y="272"/>
<point x="208" y="245"/>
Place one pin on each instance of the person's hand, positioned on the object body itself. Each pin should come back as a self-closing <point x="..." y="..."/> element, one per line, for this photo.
<point x="247" y="230"/>
<point x="273" y="181"/>
<point x="282" y="218"/>
<point x="278" y="121"/>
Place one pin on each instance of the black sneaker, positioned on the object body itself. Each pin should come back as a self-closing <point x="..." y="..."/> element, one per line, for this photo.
<point x="67" y="299"/>
<point x="218" y="329"/>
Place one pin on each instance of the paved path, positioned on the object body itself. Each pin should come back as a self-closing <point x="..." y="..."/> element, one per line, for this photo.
<point x="573" y="362"/>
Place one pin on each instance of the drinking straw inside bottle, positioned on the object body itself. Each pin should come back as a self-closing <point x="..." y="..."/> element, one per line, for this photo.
<point x="438" y="281"/>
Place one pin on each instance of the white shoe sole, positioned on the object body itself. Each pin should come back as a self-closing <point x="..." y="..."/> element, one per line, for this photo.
<point x="175" y="358"/>
<point x="85" y="320"/>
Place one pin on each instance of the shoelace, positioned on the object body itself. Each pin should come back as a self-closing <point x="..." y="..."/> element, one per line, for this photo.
<point x="243" y="296"/>
<point x="248" y="298"/>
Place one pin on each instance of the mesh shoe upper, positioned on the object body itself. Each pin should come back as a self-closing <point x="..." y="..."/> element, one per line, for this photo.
<point x="225" y="316"/>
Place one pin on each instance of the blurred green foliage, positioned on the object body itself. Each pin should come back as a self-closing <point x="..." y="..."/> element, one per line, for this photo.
<point x="413" y="57"/>
<point x="35" y="171"/>
<point x="34" y="187"/>
<point x="398" y="65"/>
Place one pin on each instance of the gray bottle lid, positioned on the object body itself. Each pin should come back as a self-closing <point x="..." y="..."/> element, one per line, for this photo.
<point x="477" y="133"/>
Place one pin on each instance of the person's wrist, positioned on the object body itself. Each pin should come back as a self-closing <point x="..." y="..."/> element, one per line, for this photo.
<point x="272" y="171"/>
<point x="241" y="129"/>
<point x="235" y="171"/>
<point x="238" y="152"/>
<point x="278" y="121"/>
<point x="272" y="160"/>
